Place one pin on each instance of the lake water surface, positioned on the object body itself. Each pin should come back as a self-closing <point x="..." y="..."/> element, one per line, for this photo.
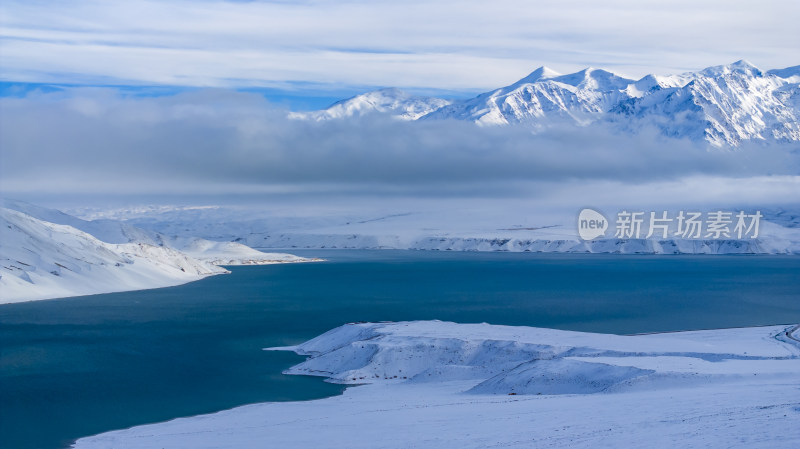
<point x="79" y="366"/>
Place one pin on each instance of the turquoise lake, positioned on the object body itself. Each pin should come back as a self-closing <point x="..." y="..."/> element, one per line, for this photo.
<point x="79" y="366"/>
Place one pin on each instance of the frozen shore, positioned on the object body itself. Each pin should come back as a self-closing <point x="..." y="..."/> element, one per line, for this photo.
<point x="441" y="385"/>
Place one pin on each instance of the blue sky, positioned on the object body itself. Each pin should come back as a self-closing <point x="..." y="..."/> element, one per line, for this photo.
<point x="306" y="54"/>
<point x="298" y="98"/>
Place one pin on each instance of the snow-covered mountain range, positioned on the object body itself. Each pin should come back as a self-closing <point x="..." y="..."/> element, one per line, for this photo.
<point x="45" y="254"/>
<point x="722" y="105"/>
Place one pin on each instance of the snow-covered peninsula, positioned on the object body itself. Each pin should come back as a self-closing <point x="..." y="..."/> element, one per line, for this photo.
<point x="445" y="385"/>
<point x="48" y="254"/>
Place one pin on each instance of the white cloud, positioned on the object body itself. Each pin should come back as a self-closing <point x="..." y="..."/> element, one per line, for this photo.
<point x="443" y="44"/>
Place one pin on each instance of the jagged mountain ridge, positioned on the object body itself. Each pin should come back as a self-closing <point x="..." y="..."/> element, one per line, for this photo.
<point x="541" y="97"/>
<point x="722" y="105"/>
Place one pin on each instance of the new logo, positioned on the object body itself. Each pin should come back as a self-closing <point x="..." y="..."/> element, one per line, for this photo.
<point x="591" y="224"/>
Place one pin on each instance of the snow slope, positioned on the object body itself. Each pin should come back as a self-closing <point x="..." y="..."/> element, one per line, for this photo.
<point x="115" y="231"/>
<point x="722" y="105"/>
<point x="230" y="253"/>
<point x="446" y="385"/>
<point x="40" y="260"/>
<point x="48" y="254"/>
<point x="106" y="230"/>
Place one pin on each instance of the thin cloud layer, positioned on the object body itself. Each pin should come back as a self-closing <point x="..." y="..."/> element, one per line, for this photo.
<point x="445" y="44"/>
<point x="96" y="140"/>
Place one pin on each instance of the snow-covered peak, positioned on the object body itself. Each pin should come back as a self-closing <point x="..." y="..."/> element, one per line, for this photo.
<point x="739" y="67"/>
<point x="388" y="101"/>
<point x="595" y="79"/>
<point x="649" y="83"/>
<point x="542" y="73"/>
<point x="542" y="98"/>
<point x="385" y="96"/>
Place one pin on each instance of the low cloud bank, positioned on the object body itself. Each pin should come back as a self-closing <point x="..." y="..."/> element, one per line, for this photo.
<point x="87" y="140"/>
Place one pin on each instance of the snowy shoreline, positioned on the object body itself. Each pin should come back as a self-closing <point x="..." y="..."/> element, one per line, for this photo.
<point x="45" y="254"/>
<point x="440" y="385"/>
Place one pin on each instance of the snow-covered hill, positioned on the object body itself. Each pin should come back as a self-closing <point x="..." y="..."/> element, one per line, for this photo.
<point x="509" y="359"/>
<point x="106" y="230"/>
<point x="445" y="385"/>
<point x="229" y="253"/>
<point x="40" y="260"/>
<point x="722" y="105"/>
<point x="45" y="254"/>
<point x="115" y="231"/>
<point x="388" y="101"/>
